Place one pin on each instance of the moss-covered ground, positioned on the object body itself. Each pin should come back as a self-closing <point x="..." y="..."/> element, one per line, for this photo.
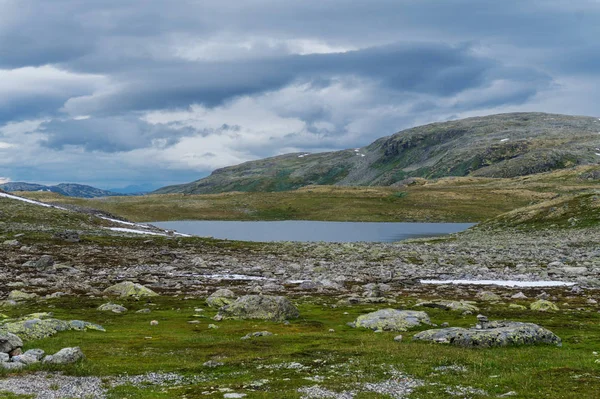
<point x="262" y="367"/>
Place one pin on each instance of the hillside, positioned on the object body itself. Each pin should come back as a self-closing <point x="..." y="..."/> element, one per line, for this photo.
<point x="66" y="189"/>
<point x="504" y="145"/>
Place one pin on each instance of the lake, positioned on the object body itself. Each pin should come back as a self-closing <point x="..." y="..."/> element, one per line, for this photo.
<point x="312" y="231"/>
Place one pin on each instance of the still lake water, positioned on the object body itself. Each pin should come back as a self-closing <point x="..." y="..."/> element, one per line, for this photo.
<point x="311" y="231"/>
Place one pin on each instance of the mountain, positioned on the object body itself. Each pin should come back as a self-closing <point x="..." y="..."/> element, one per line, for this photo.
<point x="504" y="145"/>
<point x="66" y="189"/>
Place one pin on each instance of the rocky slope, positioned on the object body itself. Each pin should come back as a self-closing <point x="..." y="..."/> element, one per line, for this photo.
<point x="66" y="189"/>
<point x="504" y="145"/>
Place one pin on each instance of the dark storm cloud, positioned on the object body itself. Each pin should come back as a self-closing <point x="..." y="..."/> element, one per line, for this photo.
<point x="110" y="134"/>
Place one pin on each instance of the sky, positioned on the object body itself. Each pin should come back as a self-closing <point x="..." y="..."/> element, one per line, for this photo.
<point x="116" y="92"/>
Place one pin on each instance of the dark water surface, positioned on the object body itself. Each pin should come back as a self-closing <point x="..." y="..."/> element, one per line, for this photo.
<point x="309" y="231"/>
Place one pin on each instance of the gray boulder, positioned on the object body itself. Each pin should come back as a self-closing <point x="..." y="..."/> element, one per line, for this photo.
<point x="129" y="289"/>
<point x="65" y="356"/>
<point x="44" y="262"/>
<point x="112" y="307"/>
<point x="457" y="306"/>
<point x="9" y="342"/>
<point x="67" y="236"/>
<point x="221" y="298"/>
<point x="274" y="308"/>
<point x="4" y="357"/>
<point x="392" y="320"/>
<point x="37" y="353"/>
<point x="496" y="333"/>
<point x="25" y="359"/>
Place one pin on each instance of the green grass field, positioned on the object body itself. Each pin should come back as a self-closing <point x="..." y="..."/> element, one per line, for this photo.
<point x="340" y="359"/>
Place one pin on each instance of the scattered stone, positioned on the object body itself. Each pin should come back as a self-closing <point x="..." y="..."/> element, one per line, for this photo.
<point x="213" y="326"/>
<point x="220" y="298"/>
<point x="154" y="322"/>
<point x="257" y="334"/>
<point x="497" y="333"/>
<point x="17" y="296"/>
<point x="234" y="395"/>
<point x="44" y="262"/>
<point x="9" y="342"/>
<point x="112" y="307"/>
<point x="129" y="289"/>
<point x="67" y="236"/>
<point x="145" y="310"/>
<point x="519" y="295"/>
<point x="398" y="338"/>
<point x="212" y="364"/>
<point x="273" y="308"/>
<point x="65" y="356"/>
<point x="392" y="320"/>
<point x="487" y="296"/>
<point x="11" y="243"/>
<point x="37" y="353"/>
<point x="457" y="306"/>
<point x="543" y="305"/>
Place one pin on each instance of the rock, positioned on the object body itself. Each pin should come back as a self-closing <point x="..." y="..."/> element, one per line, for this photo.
<point x="145" y="310"/>
<point x="398" y="338"/>
<point x="129" y="289"/>
<point x="154" y="322"/>
<point x="11" y="243"/>
<point x="257" y="334"/>
<point x="212" y="364"/>
<point x="67" y="236"/>
<point x="220" y="298"/>
<point x="574" y="271"/>
<point x="25" y="359"/>
<point x="516" y="306"/>
<point x="274" y="308"/>
<point x="37" y="353"/>
<point x="84" y="325"/>
<point x="65" y="356"/>
<point x="497" y="333"/>
<point x="457" y="306"/>
<point x="44" y="262"/>
<point x="9" y="342"/>
<point x="213" y="326"/>
<point x="487" y="296"/>
<point x="519" y="295"/>
<point x="12" y="366"/>
<point x="112" y="307"/>
<point x="392" y="320"/>
<point x="234" y="395"/>
<point x="4" y="357"/>
<point x="17" y="295"/>
<point x="543" y="305"/>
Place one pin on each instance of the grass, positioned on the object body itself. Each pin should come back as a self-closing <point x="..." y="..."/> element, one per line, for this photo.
<point x="464" y="199"/>
<point x="344" y="358"/>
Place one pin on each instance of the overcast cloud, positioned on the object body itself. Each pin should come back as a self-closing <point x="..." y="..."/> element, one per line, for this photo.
<point x="114" y="92"/>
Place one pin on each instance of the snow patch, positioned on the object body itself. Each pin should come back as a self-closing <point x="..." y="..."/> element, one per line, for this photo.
<point x="124" y="230"/>
<point x="502" y="283"/>
<point x="303" y="155"/>
<point x="503" y="140"/>
<point x="143" y="226"/>
<point x="5" y="195"/>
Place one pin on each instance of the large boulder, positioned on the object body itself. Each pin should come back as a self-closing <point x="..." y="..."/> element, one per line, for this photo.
<point x="457" y="306"/>
<point x="543" y="306"/>
<point x="41" y="325"/>
<point x="129" y="289"/>
<point x="112" y="307"/>
<point x="17" y="295"/>
<point x="495" y="333"/>
<point x="274" y="308"/>
<point x="65" y="356"/>
<point x="9" y="342"/>
<point x="220" y="298"/>
<point x="392" y="320"/>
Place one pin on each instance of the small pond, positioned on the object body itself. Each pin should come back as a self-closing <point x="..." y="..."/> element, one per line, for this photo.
<point x="312" y="231"/>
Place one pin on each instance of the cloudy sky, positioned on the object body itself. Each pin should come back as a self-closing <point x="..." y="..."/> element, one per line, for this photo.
<point x="118" y="92"/>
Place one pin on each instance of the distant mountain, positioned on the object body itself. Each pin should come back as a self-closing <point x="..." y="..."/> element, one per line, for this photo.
<point x="66" y="189"/>
<point x="504" y="145"/>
